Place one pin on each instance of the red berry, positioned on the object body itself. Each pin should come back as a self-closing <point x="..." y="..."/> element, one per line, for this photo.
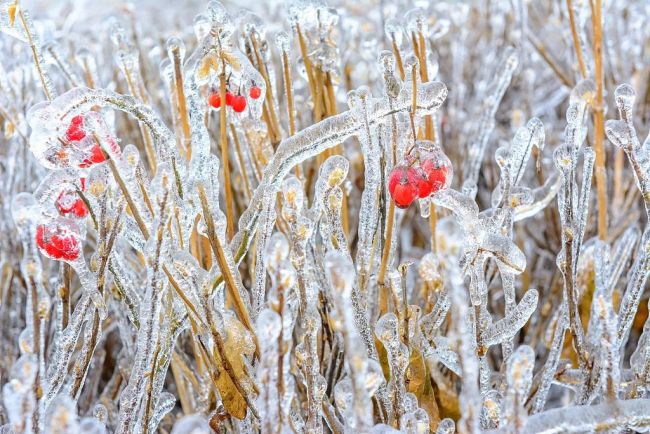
<point x="75" y="131"/>
<point x="255" y="92"/>
<point x="434" y="172"/>
<point x="96" y="156"/>
<point x="69" y="203"/>
<point x="57" y="242"/>
<point x="214" y="100"/>
<point x="239" y="103"/>
<point x="229" y="98"/>
<point x="403" y="185"/>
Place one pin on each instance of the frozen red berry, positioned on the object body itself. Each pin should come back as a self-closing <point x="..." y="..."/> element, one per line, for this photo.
<point x="255" y="92"/>
<point x="239" y="103"/>
<point x="96" y="156"/>
<point x="57" y="242"/>
<point x="403" y="185"/>
<point x="75" y="131"/>
<point x="229" y="98"/>
<point x="436" y="174"/>
<point x="70" y="204"/>
<point x="214" y="100"/>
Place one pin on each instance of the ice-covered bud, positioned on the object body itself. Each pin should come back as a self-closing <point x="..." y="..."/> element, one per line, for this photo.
<point x="491" y="410"/>
<point x="25" y="210"/>
<point x="201" y="25"/>
<point x="381" y="428"/>
<point x="582" y="93"/>
<point x="519" y="370"/>
<point x="343" y="396"/>
<point x="618" y="133"/>
<point x="252" y="25"/>
<point x="217" y="12"/>
<point x="283" y="41"/>
<point x="563" y="158"/>
<point x="429" y="267"/>
<point x="386" y="330"/>
<point x="439" y="29"/>
<point x="446" y="426"/>
<point x="26" y="341"/>
<point x="326" y="56"/>
<point x="415" y="422"/>
<point x="335" y="170"/>
<point x="624" y="95"/>
<point x="411" y="62"/>
<point x="386" y="61"/>
<point x="416" y="22"/>
<point x="268" y="327"/>
<point x="176" y="47"/>
<point x="100" y="413"/>
<point x="293" y="193"/>
<point x="374" y="376"/>
<point x="61" y="417"/>
<point x="97" y="181"/>
<point x="394" y="31"/>
<point x="276" y="251"/>
<point x="340" y="273"/>
<point x="89" y="425"/>
<point x="192" y="424"/>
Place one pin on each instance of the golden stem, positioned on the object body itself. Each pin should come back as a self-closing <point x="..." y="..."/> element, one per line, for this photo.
<point x="549" y="61"/>
<point x="182" y="104"/>
<point x="225" y="161"/>
<point x="274" y="128"/>
<point x="37" y="62"/>
<point x="599" y="121"/>
<point x="217" y="248"/>
<point x="576" y="39"/>
<point x="289" y="92"/>
<point x="240" y="160"/>
<point x="398" y="58"/>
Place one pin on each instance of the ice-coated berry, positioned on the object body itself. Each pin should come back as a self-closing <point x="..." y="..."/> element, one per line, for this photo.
<point x="57" y="242"/>
<point x="75" y="131"/>
<point x="239" y="103"/>
<point x="96" y="156"/>
<point x="214" y="100"/>
<point x="69" y="204"/>
<point x="403" y="185"/>
<point x="255" y="92"/>
<point x="436" y="172"/>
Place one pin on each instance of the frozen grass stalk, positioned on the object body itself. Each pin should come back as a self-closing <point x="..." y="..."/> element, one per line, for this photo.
<point x="310" y="217"/>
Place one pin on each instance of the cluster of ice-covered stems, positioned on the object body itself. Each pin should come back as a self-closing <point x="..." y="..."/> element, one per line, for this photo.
<point x="315" y="337"/>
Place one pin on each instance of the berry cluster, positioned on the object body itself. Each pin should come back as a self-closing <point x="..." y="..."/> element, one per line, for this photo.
<point x="237" y="102"/>
<point x="76" y="133"/>
<point x="57" y="241"/>
<point x="69" y="204"/>
<point x="423" y="173"/>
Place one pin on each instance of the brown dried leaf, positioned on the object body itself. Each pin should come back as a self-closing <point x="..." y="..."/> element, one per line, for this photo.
<point x="416" y="373"/>
<point x="230" y="59"/>
<point x="236" y="347"/>
<point x="208" y="64"/>
<point x="383" y="358"/>
<point x="11" y="10"/>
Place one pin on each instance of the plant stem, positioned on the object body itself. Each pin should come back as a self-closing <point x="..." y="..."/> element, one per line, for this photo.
<point x="217" y="248"/>
<point x="225" y="161"/>
<point x="599" y="121"/>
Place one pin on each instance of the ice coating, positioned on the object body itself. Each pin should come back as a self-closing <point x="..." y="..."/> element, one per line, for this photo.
<point x="211" y="241"/>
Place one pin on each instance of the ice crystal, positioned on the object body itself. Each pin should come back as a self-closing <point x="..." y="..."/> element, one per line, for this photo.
<point x="309" y="216"/>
